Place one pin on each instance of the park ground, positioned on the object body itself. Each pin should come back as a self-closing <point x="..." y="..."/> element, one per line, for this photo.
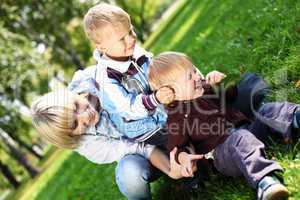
<point x="230" y="36"/>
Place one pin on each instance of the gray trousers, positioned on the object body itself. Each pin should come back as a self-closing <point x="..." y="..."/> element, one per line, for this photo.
<point x="242" y="153"/>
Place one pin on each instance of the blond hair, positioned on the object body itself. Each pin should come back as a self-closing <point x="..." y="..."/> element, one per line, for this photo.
<point x="165" y="67"/>
<point x="101" y="15"/>
<point x="53" y="117"/>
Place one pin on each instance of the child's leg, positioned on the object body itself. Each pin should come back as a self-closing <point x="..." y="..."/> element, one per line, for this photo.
<point x="275" y="119"/>
<point x="133" y="176"/>
<point x="243" y="154"/>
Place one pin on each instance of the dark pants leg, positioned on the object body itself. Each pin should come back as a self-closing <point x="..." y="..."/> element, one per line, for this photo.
<point x="274" y="119"/>
<point x="243" y="154"/>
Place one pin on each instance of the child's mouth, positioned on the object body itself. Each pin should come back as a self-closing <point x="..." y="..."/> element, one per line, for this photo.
<point x="198" y="85"/>
<point x="131" y="47"/>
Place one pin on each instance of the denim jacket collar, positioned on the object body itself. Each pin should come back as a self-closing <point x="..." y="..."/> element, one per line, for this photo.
<point x="120" y="66"/>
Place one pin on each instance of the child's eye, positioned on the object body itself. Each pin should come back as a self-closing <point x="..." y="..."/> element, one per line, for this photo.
<point x="76" y="107"/>
<point x="87" y="107"/>
<point x="75" y="124"/>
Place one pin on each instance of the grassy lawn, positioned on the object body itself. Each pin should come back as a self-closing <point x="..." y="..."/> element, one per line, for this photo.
<point x="230" y="36"/>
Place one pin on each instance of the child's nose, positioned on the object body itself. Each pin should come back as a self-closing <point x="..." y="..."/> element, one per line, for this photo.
<point x="84" y="117"/>
<point x="131" y="37"/>
<point x="197" y="76"/>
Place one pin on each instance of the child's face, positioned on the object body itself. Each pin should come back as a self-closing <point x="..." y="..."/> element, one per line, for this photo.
<point x="119" y="42"/>
<point x="188" y="85"/>
<point x="85" y="115"/>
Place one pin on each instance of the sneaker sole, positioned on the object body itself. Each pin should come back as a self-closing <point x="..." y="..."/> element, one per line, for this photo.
<point x="277" y="192"/>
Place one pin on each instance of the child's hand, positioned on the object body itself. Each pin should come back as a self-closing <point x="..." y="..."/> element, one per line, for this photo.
<point x="165" y="95"/>
<point x="175" y="168"/>
<point x="214" y="77"/>
<point x="188" y="163"/>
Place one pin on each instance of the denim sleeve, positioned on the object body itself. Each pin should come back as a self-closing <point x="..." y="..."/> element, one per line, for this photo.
<point x="116" y="99"/>
<point x="135" y="128"/>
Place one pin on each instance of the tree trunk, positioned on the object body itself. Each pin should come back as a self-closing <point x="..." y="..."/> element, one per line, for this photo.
<point x="142" y="26"/>
<point x="27" y="147"/>
<point x="17" y="154"/>
<point x="9" y="175"/>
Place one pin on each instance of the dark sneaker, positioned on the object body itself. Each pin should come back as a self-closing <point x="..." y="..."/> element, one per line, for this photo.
<point x="296" y="129"/>
<point x="269" y="188"/>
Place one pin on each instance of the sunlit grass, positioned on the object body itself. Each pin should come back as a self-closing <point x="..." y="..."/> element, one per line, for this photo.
<point x="231" y="36"/>
<point x="234" y="37"/>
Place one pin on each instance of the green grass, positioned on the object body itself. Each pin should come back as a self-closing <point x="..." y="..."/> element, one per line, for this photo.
<point x="230" y="36"/>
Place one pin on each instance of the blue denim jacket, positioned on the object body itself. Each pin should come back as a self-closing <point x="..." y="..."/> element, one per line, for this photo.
<point x="113" y="124"/>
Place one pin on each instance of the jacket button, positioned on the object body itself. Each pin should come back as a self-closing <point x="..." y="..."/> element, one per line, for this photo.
<point x="186" y="115"/>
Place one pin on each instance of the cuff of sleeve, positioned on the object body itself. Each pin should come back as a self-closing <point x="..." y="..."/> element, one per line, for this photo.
<point x="150" y="102"/>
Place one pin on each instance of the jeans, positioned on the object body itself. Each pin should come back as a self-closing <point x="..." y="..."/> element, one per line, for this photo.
<point x="133" y="175"/>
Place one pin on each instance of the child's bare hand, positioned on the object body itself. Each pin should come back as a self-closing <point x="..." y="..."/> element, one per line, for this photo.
<point x="175" y="168"/>
<point x="188" y="163"/>
<point x="165" y="95"/>
<point x="214" y="77"/>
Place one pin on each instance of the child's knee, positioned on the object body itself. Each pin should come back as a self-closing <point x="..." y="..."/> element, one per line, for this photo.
<point x="132" y="174"/>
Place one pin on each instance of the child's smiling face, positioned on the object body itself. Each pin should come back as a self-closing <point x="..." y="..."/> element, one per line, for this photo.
<point x="188" y="85"/>
<point x="119" y="41"/>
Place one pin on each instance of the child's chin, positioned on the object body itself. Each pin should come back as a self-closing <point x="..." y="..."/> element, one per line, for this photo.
<point x="129" y="52"/>
<point x="198" y="94"/>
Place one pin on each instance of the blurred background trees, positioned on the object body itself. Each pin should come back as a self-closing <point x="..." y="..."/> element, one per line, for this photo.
<point x="40" y="42"/>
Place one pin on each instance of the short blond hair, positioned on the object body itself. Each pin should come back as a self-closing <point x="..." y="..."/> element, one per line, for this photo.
<point x="165" y="67"/>
<point x="53" y="117"/>
<point x="101" y="15"/>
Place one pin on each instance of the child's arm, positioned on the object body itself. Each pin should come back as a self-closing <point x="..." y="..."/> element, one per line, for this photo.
<point x="116" y="99"/>
<point x="166" y="165"/>
<point x="102" y="149"/>
<point x="215" y="77"/>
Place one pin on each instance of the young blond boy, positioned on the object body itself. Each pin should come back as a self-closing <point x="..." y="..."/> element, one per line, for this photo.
<point x="121" y="71"/>
<point x="197" y="118"/>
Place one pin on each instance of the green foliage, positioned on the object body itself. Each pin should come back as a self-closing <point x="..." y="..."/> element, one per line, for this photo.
<point x="231" y="36"/>
<point x="143" y="14"/>
<point x="46" y="22"/>
<point x="72" y="177"/>
<point x="19" y="67"/>
<point x="22" y="70"/>
<point x="91" y="177"/>
<point x="260" y="36"/>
